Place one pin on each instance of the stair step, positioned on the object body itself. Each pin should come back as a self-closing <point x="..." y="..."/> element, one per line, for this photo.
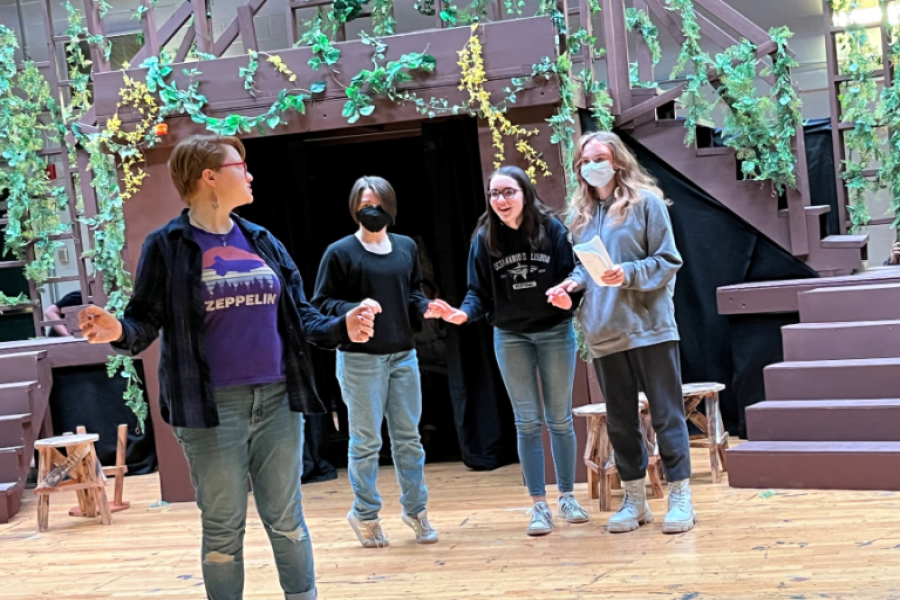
<point x="10" y="500"/>
<point x="870" y="378"/>
<point x="714" y="151"/>
<point x="825" y="421"/>
<point x="17" y="398"/>
<point x="875" y="302"/>
<point x="836" y="341"/>
<point x="845" y="241"/>
<point x="815" y="465"/>
<point x="11" y="463"/>
<point x="13" y="429"/>
<point x="22" y="366"/>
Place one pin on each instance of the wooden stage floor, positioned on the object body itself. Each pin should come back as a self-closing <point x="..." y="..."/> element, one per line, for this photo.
<point x="747" y="545"/>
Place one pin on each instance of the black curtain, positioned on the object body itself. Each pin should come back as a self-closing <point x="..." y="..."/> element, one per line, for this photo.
<point x="719" y="248"/>
<point x="481" y="408"/>
<point x="87" y="396"/>
<point x="279" y="166"/>
<point x="820" y="165"/>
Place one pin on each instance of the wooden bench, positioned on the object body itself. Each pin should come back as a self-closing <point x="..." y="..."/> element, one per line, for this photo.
<point x="714" y="436"/>
<point x="599" y="458"/>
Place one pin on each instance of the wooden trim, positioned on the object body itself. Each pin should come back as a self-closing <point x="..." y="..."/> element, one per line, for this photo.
<point x="234" y="28"/>
<point x="186" y="42"/>
<point x="614" y="31"/>
<point x="202" y="27"/>
<point x="648" y="105"/>
<point x="168" y="30"/>
<point x="148" y="25"/>
<point x="736" y="20"/>
<point x="245" y="26"/>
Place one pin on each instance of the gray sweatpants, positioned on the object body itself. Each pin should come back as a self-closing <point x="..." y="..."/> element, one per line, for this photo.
<point x="655" y="370"/>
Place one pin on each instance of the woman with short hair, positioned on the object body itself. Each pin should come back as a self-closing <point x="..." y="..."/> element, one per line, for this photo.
<point x="235" y="377"/>
<point x="379" y="379"/>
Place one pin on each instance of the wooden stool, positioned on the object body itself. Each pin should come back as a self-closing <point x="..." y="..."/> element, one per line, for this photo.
<point x="603" y="476"/>
<point x="81" y="464"/>
<point x="714" y="436"/>
<point x="118" y="472"/>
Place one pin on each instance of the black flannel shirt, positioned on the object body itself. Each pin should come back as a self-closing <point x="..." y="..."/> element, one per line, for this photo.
<point x="167" y="302"/>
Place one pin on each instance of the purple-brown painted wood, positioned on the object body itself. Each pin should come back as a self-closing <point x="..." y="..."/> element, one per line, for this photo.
<point x="782" y="296"/>
<point x="824" y="421"/>
<point x="877" y="302"/>
<point x="202" y="26"/>
<point x="833" y="379"/>
<point x="834" y="341"/>
<point x="502" y="59"/>
<point x="148" y="25"/>
<point x="168" y="30"/>
<point x="815" y="465"/>
<point x="617" y="65"/>
<point x="837" y="137"/>
<point x="18" y="398"/>
<point x="245" y="25"/>
<point x="736" y="20"/>
<point x="239" y="25"/>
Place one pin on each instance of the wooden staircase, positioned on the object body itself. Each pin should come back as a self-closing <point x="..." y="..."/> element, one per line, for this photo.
<point x="717" y="172"/>
<point x="25" y="381"/>
<point x="831" y="418"/>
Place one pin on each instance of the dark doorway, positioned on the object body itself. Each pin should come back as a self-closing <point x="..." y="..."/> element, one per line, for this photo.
<point x="302" y="185"/>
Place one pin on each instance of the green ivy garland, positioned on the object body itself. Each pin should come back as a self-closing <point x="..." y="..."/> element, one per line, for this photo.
<point x="889" y="114"/>
<point x="858" y="97"/>
<point x="638" y="21"/>
<point x="34" y="203"/>
<point x="383" y="22"/>
<point x="698" y="107"/>
<point x="13" y="300"/>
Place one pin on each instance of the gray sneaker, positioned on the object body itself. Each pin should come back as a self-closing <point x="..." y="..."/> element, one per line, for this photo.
<point x="681" y="516"/>
<point x="541" y="520"/>
<point x="369" y="532"/>
<point x="634" y="511"/>
<point x="425" y="533"/>
<point x="570" y="510"/>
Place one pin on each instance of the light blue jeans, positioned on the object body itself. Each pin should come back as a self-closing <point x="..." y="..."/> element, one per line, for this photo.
<point x="257" y="436"/>
<point x="375" y="386"/>
<point x="522" y="356"/>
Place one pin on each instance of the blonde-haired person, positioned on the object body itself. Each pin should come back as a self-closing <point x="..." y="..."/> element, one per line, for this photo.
<point x="629" y="323"/>
<point x="227" y="303"/>
<point x="379" y="379"/>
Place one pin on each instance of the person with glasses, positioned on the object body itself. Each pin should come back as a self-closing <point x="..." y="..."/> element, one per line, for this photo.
<point x="227" y="303"/>
<point x="628" y="319"/>
<point x="520" y="253"/>
<point x="379" y="379"/>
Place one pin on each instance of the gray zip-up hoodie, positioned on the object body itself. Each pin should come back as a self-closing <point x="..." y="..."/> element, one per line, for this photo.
<point x="640" y="312"/>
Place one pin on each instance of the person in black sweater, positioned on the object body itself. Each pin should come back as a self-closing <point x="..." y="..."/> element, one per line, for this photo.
<point x="520" y="253"/>
<point x="379" y="379"/>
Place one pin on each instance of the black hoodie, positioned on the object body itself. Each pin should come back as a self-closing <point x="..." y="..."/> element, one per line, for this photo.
<point x="510" y="290"/>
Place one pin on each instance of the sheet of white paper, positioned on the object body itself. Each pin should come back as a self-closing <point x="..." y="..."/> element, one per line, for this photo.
<point x="595" y="258"/>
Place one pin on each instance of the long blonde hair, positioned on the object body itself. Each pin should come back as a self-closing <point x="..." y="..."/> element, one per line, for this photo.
<point x="631" y="179"/>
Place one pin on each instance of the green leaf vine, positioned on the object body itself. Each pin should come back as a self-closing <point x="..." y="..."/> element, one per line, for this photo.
<point x="34" y="203"/>
<point x="383" y="22"/>
<point x="889" y="114"/>
<point x="698" y="107"/>
<point x="19" y="300"/>
<point x="134" y="397"/>
<point x="638" y="21"/>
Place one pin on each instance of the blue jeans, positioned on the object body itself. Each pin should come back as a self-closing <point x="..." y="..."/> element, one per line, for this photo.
<point x="259" y="436"/>
<point x="375" y="386"/>
<point x="522" y="356"/>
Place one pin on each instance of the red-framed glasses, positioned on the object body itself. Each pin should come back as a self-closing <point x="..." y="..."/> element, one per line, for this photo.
<point x="241" y="164"/>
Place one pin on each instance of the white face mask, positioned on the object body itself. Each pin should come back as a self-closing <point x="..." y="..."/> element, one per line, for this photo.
<point x="598" y="174"/>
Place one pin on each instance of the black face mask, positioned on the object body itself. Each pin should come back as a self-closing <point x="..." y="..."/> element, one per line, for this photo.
<point x="374" y="218"/>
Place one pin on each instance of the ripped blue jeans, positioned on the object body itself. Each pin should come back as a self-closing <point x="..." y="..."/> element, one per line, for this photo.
<point x="257" y="436"/>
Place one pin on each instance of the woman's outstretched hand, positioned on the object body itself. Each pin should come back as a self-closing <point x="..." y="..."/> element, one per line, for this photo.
<point x="99" y="326"/>
<point x="439" y="309"/>
<point x="559" y="297"/>
<point x="614" y="277"/>
<point x="361" y="323"/>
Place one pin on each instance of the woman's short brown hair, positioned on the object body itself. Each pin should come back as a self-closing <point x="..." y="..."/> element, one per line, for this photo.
<point x="196" y="153"/>
<point x="381" y="188"/>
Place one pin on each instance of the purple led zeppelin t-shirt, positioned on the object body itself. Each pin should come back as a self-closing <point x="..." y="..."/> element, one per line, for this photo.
<point x="240" y="298"/>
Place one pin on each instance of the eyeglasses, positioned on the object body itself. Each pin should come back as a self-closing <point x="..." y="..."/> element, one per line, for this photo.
<point x="508" y="193"/>
<point x="235" y="164"/>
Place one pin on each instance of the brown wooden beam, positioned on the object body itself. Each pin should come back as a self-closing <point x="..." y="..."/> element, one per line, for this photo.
<point x="186" y="42"/>
<point x="148" y="24"/>
<point x="245" y="25"/>
<point x="166" y="32"/>
<point x="636" y="111"/>
<point x="202" y="27"/>
<point x="234" y="28"/>
<point x="617" y="65"/>
<point x="736" y="20"/>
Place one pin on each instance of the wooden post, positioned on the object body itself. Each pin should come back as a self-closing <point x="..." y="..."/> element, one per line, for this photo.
<point x="613" y="15"/>
<point x="121" y="469"/>
<point x="148" y="24"/>
<point x="202" y="27"/>
<point x="95" y="26"/>
<point x="644" y="58"/>
<point x="245" y="25"/>
<point x="837" y="136"/>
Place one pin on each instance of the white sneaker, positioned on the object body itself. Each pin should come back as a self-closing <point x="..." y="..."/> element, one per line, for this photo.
<point x="570" y="510"/>
<point x="369" y="533"/>
<point x="681" y="516"/>
<point x="634" y="511"/>
<point x="425" y="533"/>
<point x="541" y="520"/>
